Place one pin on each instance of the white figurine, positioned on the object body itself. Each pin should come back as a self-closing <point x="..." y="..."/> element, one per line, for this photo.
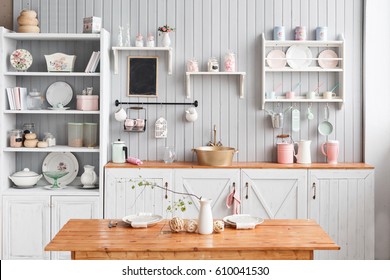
<point x="120" y="37"/>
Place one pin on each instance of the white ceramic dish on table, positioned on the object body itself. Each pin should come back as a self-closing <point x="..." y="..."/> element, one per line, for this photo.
<point x="243" y="219"/>
<point x="142" y="220"/>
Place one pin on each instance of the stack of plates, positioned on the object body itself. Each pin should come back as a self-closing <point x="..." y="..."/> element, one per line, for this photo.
<point x="243" y="219"/>
<point x="142" y="220"/>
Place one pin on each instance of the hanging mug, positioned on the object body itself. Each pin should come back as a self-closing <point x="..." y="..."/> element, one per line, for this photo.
<point x="120" y="115"/>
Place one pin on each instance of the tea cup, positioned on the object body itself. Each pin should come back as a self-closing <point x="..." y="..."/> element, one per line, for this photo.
<point x="290" y="95"/>
<point x="311" y="95"/>
<point x="271" y="95"/>
<point x="328" y="95"/>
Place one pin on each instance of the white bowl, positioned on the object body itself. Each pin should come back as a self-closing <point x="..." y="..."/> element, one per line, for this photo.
<point x="25" y="178"/>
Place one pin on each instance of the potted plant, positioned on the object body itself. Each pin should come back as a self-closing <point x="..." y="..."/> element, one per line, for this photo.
<point x="164" y="32"/>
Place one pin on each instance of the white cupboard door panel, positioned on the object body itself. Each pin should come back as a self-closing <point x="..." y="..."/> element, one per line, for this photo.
<point x="342" y="202"/>
<point x="26" y="227"/>
<point x="65" y="208"/>
<point x="123" y="195"/>
<point x="274" y="193"/>
<point x="214" y="184"/>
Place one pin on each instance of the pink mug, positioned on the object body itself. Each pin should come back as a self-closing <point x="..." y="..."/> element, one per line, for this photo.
<point x="332" y="150"/>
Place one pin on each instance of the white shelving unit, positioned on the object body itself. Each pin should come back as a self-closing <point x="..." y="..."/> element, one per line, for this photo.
<point x="13" y="159"/>
<point x="242" y="76"/>
<point x="339" y="71"/>
<point x="116" y="51"/>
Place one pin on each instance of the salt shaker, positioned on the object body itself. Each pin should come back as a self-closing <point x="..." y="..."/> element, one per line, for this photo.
<point x="139" y="41"/>
<point x="230" y="62"/>
<point x="150" y="43"/>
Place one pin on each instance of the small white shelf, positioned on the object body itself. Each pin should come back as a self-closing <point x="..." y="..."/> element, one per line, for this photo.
<point x="52" y="112"/>
<point x="307" y="69"/>
<point x="52" y="36"/>
<point x="117" y="49"/>
<point x="58" y="148"/>
<point x="39" y="190"/>
<point x="241" y="74"/>
<point x="309" y="43"/>
<point x="52" y="74"/>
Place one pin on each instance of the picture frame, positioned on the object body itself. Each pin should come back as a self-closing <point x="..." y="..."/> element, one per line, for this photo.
<point x="142" y="76"/>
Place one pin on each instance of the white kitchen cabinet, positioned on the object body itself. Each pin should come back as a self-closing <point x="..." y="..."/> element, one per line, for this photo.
<point x="64" y="208"/>
<point x="342" y="202"/>
<point x="30" y="222"/>
<point x="274" y="193"/>
<point x="214" y="184"/>
<point x="121" y="199"/>
<point x="26" y="227"/>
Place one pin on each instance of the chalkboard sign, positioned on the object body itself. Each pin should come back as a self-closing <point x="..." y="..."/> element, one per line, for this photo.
<point x="142" y="76"/>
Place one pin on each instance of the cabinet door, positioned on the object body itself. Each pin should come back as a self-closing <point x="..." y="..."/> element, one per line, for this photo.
<point x="123" y="196"/>
<point x="71" y="207"/>
<point x="274" y="193"/>
<point x="26" y="227"/>
<point x="214" y="184"/>
<point x="342" y="202"/>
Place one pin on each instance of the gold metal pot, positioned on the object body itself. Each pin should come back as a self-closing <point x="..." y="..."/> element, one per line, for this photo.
<point x="215" y="156"/>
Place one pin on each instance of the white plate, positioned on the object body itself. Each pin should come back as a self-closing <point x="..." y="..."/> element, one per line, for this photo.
<point x="298" y="56"/>
<point x="327" y="63"/>
<point x="242" y="218"/>
<point x="59" y="92"/>
<point x="140" y="219"/>
<point x="279" y="62"/>
<point x="21" y="59"/>
<point x="61" y="161"/>
<point x="58" y="109"/>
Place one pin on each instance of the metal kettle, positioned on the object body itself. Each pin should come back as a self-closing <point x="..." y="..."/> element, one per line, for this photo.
<point x="119" y="152"/>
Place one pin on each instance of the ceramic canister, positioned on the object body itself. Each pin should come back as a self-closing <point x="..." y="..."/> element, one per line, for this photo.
<point x="279" y="33"/>
<point x="322" y="33"/>
<point x="300" y="33"/>
<point x="285" y="152"/>
<point x="332" y="151"/>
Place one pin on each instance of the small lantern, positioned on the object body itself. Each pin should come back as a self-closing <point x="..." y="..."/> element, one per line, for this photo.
<point x="161" y="130"/>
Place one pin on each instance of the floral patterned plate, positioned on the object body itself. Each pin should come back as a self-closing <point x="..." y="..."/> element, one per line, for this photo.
<point x="61" y="161"/>
<point x="21" y="59"/>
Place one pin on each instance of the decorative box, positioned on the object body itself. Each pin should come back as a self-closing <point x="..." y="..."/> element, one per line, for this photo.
<point x="92" y="25"/>
<point x="60" y="62"/>
<point x="87" y="102"/>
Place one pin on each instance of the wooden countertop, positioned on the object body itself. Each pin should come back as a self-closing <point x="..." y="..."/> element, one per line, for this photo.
<point x="253" y="165"/>
<point x="93" y="239"/>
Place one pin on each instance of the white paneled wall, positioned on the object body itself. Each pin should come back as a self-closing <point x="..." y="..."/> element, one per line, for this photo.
<point x="209" y="28"/>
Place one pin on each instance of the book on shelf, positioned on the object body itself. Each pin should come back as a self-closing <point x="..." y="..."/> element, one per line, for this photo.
<point x="93" y="62"/>
<point x="17" y="98"/>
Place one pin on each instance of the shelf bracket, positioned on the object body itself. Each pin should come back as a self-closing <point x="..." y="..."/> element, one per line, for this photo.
<point x="115" y="51"/>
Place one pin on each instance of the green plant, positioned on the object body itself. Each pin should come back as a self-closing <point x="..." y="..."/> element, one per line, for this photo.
<point x="181" y="204"/>
<point x="166" y="28"/>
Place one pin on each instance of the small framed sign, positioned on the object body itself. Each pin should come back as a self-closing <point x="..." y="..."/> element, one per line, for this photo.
<point x="142" y="76"/>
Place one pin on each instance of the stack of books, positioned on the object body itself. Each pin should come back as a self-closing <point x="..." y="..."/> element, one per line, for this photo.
<point x="93" y="62"/>
<point x="17" y="98"/>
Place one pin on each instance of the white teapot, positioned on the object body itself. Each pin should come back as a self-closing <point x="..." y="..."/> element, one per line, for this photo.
<point x="191" y="114"/>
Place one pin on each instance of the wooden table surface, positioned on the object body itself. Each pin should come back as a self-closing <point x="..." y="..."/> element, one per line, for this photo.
<point x="273" y="239"/>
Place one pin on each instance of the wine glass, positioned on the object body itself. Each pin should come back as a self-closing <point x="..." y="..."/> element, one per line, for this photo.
<point x="55" y="175"/>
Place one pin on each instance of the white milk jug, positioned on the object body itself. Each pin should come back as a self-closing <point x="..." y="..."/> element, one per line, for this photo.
<point x="303" y="155"/>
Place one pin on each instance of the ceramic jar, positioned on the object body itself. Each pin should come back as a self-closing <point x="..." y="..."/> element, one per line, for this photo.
<point x="165" y="40"/>
<point x="230" y="62"/>
<point x="16" y="138"/>
<point x="139" y="41"/>
<point x="89" y="177"/>
<point x="205" y="220"/>
<point x="150" y="43"/>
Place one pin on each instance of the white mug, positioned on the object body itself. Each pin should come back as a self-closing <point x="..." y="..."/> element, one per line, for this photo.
<point x="271" y="95"/>
<point x="329" y="95"/>
<point x="120" y="115"/>
<point x="311" y="95"/>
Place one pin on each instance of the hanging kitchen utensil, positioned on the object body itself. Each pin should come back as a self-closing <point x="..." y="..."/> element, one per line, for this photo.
<point x="277" y="118"/>
<point x="309" y="114"/>
<point x="325" y="128"/>
<point x="160" y="128"/>
<point x="295" y="120"/>
<point x="135" y="124"/>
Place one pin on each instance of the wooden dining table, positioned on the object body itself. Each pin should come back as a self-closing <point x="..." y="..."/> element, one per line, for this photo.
<point x="271" y="240"/>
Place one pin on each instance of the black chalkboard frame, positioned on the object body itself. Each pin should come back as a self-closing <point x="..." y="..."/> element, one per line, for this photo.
<point x="142" y="76"/>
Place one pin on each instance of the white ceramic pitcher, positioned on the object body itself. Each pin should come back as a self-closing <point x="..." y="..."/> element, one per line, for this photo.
<point x="205" y="220"/>
<point x="303" y="155"/>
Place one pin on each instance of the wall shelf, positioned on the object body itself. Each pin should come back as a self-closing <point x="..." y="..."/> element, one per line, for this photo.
<point x="313" y="68"/>
<point x="116" y="51"/>
<point x="57" y="148"/>
<point x="189" y="74"/>
<point x="52" y="74"/>
<point x="52" y="112"/>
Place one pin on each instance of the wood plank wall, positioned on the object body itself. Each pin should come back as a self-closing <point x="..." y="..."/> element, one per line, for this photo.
<point x="208" y="28"/>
